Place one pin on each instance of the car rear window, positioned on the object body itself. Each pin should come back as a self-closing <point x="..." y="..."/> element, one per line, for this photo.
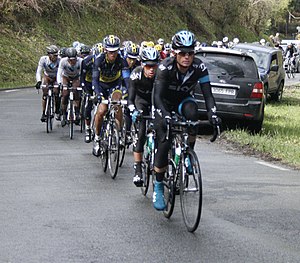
<point x="228" y="64"/>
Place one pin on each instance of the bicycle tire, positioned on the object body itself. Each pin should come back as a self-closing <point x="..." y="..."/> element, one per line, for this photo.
<point x="288" y="71"/>
<point x="82" y="114"/>
<point x="191" y="191"/>
<point x="51" y="112"/>
<point x="71" y="121"/>
<point x="147" y="172"/>
<point x="103" y="145"/>
<point x="292" y="72"/>
<point x="47" y="111"/>
<point x="170" y="189"/>
<point x="122" y="143"/>
<point x="113" y="150"/>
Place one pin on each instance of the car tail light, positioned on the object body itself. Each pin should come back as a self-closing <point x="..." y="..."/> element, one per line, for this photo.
<point x="258" y="90"/>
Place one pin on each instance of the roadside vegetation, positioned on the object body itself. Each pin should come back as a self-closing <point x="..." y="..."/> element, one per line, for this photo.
<point x="280" y="137"/>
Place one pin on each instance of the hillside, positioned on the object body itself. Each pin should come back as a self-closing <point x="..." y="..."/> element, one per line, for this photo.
<point x="24" y="35"/>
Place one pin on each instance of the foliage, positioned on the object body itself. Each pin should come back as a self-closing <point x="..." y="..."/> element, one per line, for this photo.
<point x="280" y="137"/>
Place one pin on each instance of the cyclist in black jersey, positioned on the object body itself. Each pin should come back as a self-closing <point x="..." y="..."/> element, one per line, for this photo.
<point x="139" y="101"/>
<point x="175" y="81"/>
<point x="109" y="70"/>
<point x="86" y="83"/>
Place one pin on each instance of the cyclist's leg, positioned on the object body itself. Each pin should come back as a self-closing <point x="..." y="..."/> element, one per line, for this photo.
<point x="87" y="113"/>
<point x="76" y="84"/>
<point x="45" y="81"/>
<point x="116" y="94"/>
<point x="160" y="162"/>
<point x="64" y="101"/>
<point x="138" y="147"/>
<point x="188" y="108"/>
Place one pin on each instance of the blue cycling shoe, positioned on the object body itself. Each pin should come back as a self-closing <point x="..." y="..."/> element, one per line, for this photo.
<point x="158" y="196"/>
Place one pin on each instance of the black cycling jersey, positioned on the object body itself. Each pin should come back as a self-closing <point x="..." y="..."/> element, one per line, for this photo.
<point x="87" y="69"/>
<point x="139" y="86"/>
<point x="105" y="73"/>
<point x="171" y="86"/>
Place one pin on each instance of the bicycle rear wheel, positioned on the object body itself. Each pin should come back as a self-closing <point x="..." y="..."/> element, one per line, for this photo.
<point x="191" y="190"/>
<point x="113" y="150"/>
<point x="170" y="189"/>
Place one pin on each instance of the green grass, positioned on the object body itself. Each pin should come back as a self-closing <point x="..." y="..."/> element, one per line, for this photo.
<point x="280" y="136"/>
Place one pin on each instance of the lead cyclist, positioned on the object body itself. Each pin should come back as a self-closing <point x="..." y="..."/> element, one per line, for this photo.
<point x="175" y="81"/>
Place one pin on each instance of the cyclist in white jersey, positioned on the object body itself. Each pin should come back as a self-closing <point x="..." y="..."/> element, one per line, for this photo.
<point x="46" y="74"/>
<point x="69" y="70"/>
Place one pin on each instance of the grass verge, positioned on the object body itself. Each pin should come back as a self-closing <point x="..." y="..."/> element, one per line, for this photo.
<point x="280" y="136"/>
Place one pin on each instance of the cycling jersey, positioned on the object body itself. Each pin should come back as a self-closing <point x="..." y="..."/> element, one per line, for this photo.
<point x="171" y="86"/>
<point x="67" y="70"/>
<point x="87" y="69"/>
<point x="139" y="86"/>
<point x="47" y="67"/>
<point x="106" y="74"/>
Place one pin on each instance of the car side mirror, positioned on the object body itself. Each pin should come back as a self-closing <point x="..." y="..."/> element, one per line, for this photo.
<point x="274" y="68"/>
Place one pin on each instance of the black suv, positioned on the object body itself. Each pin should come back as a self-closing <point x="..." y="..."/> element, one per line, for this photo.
<point x="236" y="86"/>
<point x="270" y="66"/>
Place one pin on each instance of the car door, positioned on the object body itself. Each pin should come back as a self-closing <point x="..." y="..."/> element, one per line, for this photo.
<point x="273" y="75"/>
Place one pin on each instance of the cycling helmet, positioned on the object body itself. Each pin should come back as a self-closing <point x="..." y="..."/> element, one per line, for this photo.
<point x="111" y="43"/>
<point x="150" y="44"/>
<point x="183" y="41"/>
<point x="161" y="41"/>
<point x="62" y="52"/>
<point x="158" y="47"/>
<point x="236" y="41"/>
<point x="97" y="49"/>
<point x="85" y="50"/>
<point x="150" y="56"/>
<point x="132" y="50"/>
<point x="71" y="52"/>
<point x="75" y="44"/>
<point x="167" y="46"/>
<point x="52" y="49"/>
<point x="262" y="41"/>
<point x="225" y="40"/>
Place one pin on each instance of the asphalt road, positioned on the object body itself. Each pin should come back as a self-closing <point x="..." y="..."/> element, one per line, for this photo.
<point x="58" y="206"/>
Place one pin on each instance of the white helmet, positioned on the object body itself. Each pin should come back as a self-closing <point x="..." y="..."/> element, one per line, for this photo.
<point x="262" y="41"/>
<point x="225" y="39"/>
<point x="236" y="41"/>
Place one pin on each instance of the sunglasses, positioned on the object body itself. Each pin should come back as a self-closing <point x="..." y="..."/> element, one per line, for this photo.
<point x="112" y="52"/>
<point x="183" y="54"/>
<point x="150" y="66"/>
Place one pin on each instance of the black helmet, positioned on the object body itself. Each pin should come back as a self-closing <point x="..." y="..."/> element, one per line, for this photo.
<point x="52" y="49"/>
<point x="183" y="41"/>
<point x="149" y="56"/>
<point x="71" y="52"/>
<point x="62" y="52"/>
<point x="111" y="43"/>
<point x="132" y="50"/>
<point x="85" y="50"/>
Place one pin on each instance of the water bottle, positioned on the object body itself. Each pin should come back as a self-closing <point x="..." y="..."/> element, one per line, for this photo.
<point x="177" y="155"/>
<point x="150" y="142"/>
<point x="188" y="165"/>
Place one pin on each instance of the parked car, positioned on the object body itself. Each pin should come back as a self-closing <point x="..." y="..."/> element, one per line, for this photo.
<point x="236" y="86"/>
<point x="269" y="61"/>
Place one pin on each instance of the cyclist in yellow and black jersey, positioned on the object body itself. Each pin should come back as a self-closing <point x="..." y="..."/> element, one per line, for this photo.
<point x="108" y="72"/>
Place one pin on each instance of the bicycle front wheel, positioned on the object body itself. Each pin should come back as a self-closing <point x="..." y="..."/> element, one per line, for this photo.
<point x="48" y="112"/>
<point x="113" y="150"/>
<point x="170" y="189"/>
<point x="122" y="143"/>
<point x="288" y="71"/>
<point x="190" y="190"/>
<point x="71" y="120"/>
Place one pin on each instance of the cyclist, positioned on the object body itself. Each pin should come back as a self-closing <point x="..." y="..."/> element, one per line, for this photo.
<point x="291" y="52"/>
<point x="139" y="100"/>
<point x="46" y="74"/>
<point x="69" y="70"/>
<point x="175" y="81"/>
<point x="86" y="84"/>
<point x="109" y="70"/>
<point x="166" y="52"/>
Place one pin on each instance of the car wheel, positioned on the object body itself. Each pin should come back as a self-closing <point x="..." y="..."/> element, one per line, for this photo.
<point x="255" y="126"/>
<point x="266" y="87"/>
<point x="277" y="96"/>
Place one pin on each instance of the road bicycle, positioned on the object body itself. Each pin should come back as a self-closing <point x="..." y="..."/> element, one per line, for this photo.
<point x="49" y="109"/>
<point x="110" y="137"/>
<point x="71" y="114"/>
<point x="184" y="174"/>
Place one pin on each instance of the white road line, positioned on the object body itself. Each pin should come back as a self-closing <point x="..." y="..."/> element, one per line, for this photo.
<point x="272" y="166"/>
<point x="11" y="90"/>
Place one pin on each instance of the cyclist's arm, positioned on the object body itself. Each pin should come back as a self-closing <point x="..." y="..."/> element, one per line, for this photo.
<point x="96" y="76"/>
<point x="131" y="92"/>
<point x="83" y="73"/>
<point x="160" y="87"/>
<point x="39" y="70"/>
<point x="59" y="72"/>
<point x="208" y="96"/>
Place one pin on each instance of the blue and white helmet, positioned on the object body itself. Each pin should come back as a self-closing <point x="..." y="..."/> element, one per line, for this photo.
<point x="149" y="56"/>
<point x="183" y="41"/>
